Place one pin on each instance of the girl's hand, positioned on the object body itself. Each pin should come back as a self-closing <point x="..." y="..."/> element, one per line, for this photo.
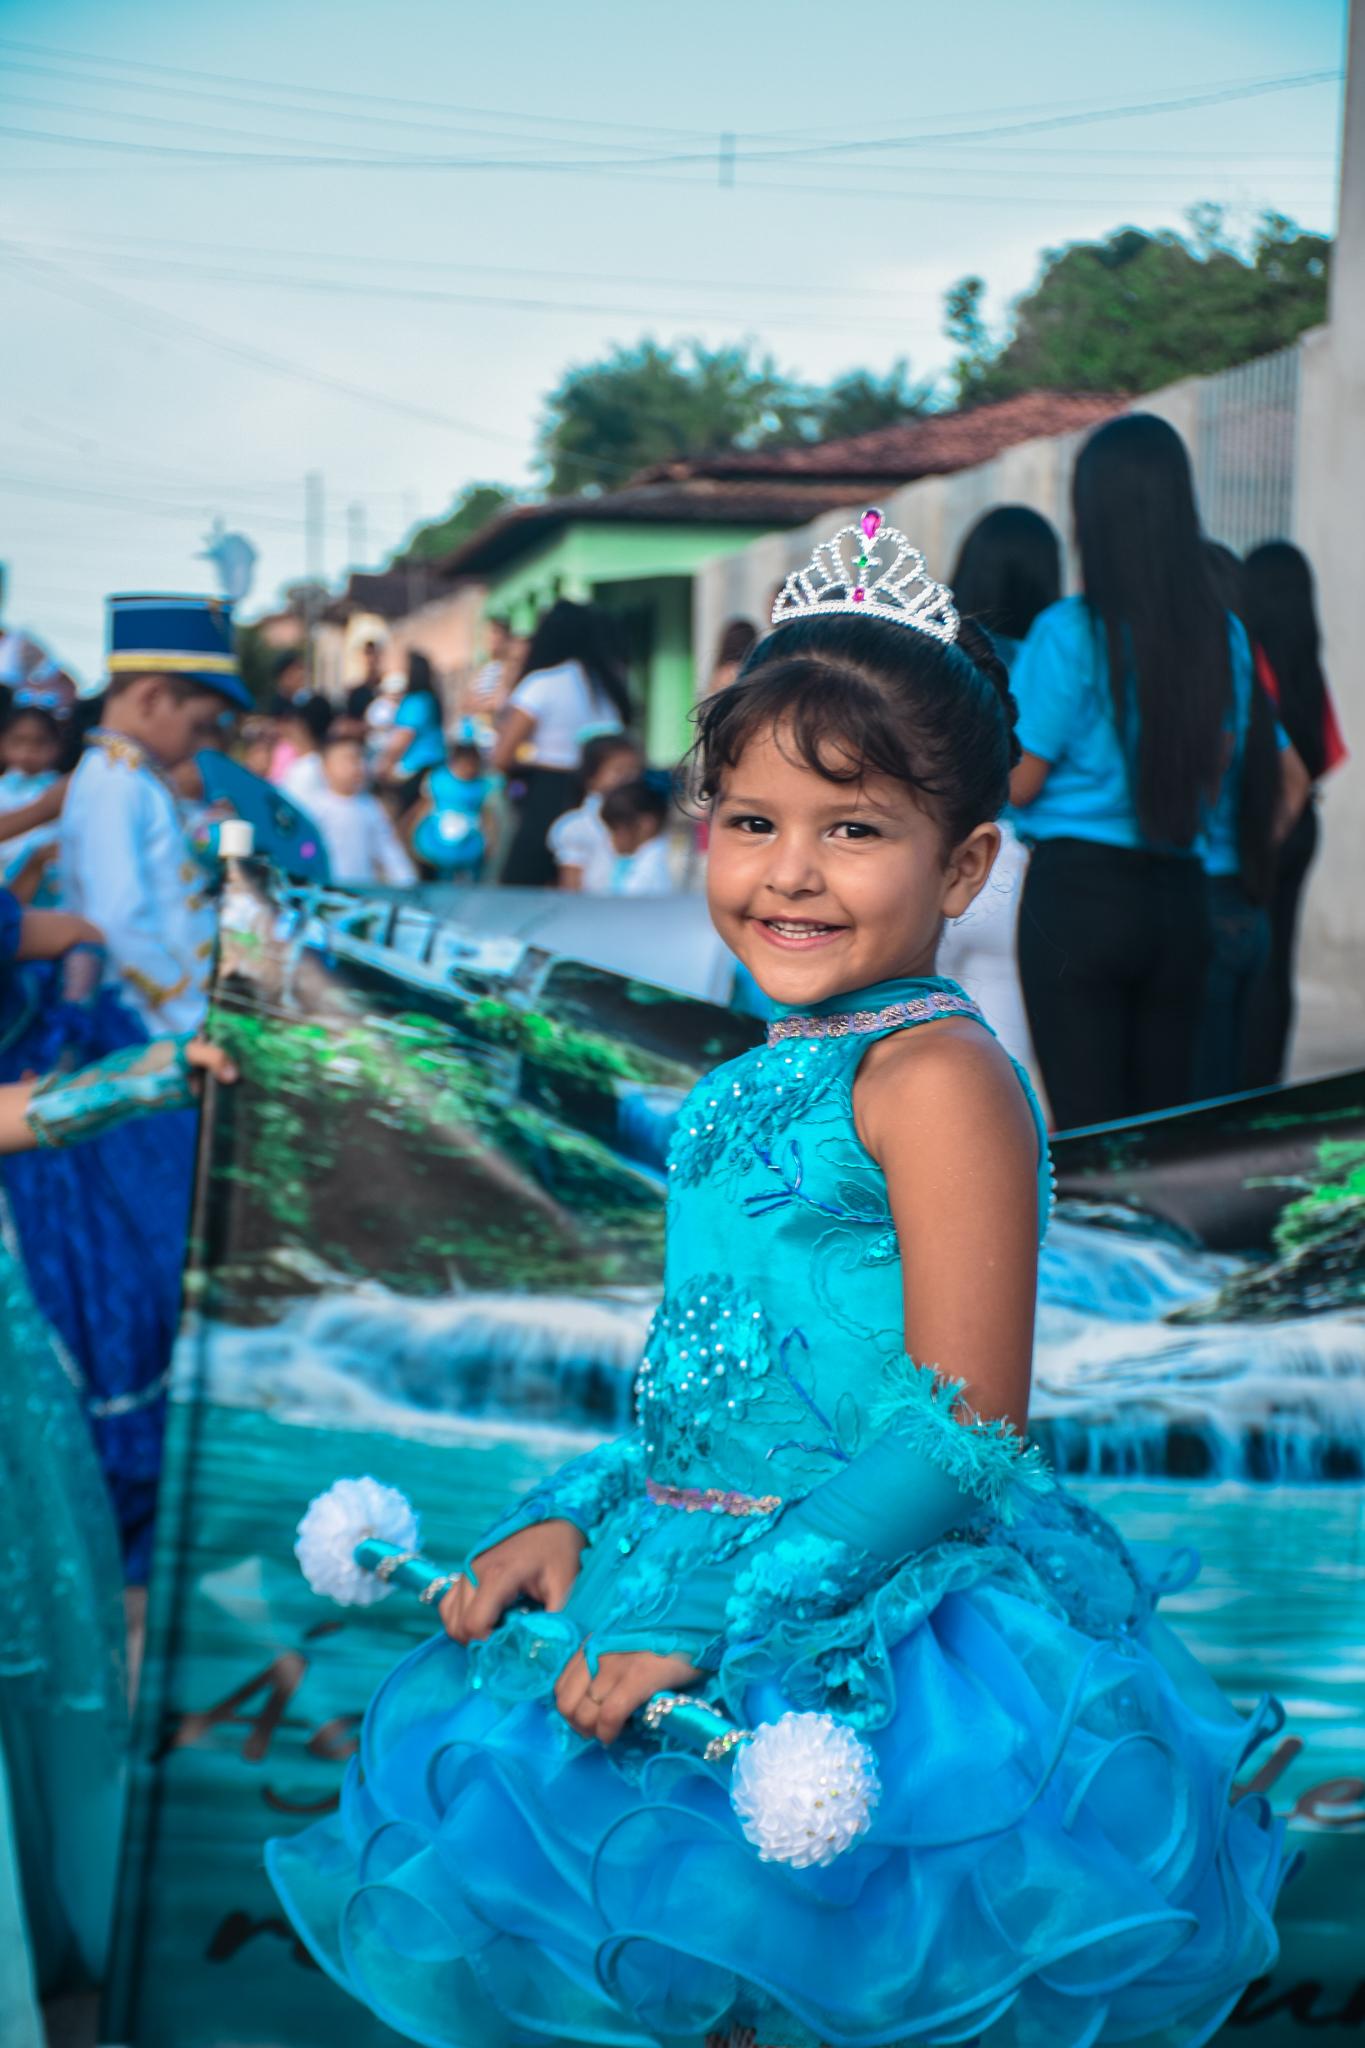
<point x="541" y="1563"/>
<point x="26" y="883"/>
<point x="210" y="1059"/>
<point x="602" y="1706"/>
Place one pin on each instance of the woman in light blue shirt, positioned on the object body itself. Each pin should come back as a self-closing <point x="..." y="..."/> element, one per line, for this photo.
<point x="1133" y="710"/>
<point x="417" y="741"/>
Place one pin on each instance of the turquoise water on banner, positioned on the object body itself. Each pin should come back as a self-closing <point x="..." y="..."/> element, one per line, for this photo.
<point x="278" y="1678"/>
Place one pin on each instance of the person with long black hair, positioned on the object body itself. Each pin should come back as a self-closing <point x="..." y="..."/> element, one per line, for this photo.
<point x="573" y="686"/>
<point x="1281" y="616"/>
<point x="1257" y="802"/>
<point x="1133" y="706"/>
<point x="1008" y="571"/>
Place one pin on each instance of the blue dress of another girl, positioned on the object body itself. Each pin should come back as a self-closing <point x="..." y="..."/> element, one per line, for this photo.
<point x="1055" y="1860"/>
<point x="101" y="1231"/>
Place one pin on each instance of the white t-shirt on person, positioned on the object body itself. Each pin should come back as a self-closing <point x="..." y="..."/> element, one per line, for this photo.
<point x="580" y="840"/>
<point x="564" y="703"/>
<point x="361" y="843"/>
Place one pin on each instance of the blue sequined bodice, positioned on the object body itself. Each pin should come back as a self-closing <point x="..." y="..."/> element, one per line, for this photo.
<point x="783" y="1287"/>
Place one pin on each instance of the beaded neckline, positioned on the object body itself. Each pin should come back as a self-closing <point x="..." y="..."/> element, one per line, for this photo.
<point x="922" y="1009"/>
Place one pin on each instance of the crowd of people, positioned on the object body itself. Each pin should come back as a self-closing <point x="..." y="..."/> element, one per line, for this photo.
<point x="1134" y="944"/>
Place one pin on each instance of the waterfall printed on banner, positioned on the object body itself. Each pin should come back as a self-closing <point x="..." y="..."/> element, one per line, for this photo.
<point x="429" y="1249"/>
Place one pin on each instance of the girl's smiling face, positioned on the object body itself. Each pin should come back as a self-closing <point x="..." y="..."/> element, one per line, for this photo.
<point x="821" y="887"/>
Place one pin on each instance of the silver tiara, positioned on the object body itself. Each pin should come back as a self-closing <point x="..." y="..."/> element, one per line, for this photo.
<point x="845" y="575"/>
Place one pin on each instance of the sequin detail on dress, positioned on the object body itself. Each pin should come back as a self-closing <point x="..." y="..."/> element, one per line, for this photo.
<point x="855" y="1023"/>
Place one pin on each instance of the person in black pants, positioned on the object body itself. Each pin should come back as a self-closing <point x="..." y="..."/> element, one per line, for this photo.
<point x="573" y="688"/>
<point x="1281" y="615"/>
<point x="1132" y="709"/>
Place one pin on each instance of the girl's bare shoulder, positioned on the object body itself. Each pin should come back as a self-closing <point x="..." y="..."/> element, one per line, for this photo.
<point x="951" y="1080"/>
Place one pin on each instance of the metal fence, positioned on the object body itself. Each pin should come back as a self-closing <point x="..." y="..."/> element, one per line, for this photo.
<point x="1245" y="449"/>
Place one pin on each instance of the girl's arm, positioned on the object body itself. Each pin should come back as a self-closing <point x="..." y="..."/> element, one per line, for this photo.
<point x="514" y="730"/>
<point x="62" y="1111"/>
<point x="47" y="934"/>
<point x="1296" y="786"/>
<point x="942" y="1113"/>
<point x="41" y="811"/>
<point x="1027" y="779"/>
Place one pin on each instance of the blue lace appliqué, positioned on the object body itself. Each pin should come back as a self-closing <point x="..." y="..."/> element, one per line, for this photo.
<point x="744" y="1106"/>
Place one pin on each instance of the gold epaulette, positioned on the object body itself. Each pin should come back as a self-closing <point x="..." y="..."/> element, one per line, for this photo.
<point x="151" y="991"/>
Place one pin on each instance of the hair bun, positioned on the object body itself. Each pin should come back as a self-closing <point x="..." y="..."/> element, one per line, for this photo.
<point x="977" y="644"/>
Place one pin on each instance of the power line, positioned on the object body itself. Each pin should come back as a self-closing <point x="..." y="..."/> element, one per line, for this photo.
<point x="803" y="152"/>
<point x="363" y="259"/>
<point x="295" y="91"/>
<point x="433" y="295"/>
<point x="54" y="278"/>
<point x="338" y="95"/>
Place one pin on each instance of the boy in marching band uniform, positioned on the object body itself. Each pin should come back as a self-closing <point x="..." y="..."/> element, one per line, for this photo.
<point x="103" y="1226"/>
<point x="125" y="861"/>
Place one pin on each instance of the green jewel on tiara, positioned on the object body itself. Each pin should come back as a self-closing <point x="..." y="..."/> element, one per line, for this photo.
<point x="836" y="579"/>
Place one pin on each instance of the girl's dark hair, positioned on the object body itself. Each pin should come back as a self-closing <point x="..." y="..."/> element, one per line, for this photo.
<point x="583" y="633"/>
<point x="1150" y="591"/>
<point x="864" y="696"/>
<point x="1258" y="792"/>
<point x="598" y="751"/>
<point x="1009" y="569"/>
<point x="315" y="713"/>
<point x="640" y="799"/>
<point x="737" y="636"/>
<point x="421" y="676"/>
<point x="1282" y="618"/>
<point x="52" y="727"/>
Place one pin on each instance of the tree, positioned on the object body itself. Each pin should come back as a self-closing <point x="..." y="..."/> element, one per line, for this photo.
<point x="860" y="401"/>
<point x="475" y="506"/>
<point x="1139" y="310"/>
<point x="965" y="323"/>
<point x="651" y="403"/>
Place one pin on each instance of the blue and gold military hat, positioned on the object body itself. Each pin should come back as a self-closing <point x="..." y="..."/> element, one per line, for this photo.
<point x="177" y="636"/>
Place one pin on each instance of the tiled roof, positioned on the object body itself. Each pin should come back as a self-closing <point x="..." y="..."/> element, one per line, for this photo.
<point x="688" y="500"/>
<point x="390" y="593"/>
<point x="933" y="446"/>
<point x="782" y="487"/>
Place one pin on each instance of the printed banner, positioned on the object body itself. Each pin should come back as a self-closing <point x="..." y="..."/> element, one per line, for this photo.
<point x="429" y="1242"/>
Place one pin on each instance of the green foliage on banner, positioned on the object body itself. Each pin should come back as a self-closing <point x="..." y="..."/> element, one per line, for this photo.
<point x="314" y="1146"/>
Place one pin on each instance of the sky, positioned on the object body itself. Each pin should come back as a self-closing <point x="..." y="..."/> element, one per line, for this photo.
<point x="244" y="243"/>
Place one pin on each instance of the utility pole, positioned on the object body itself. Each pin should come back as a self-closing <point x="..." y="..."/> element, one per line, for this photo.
<point x="357" y="544"/>
<point x="725" y="161"/>
<point x="315" y="539"/>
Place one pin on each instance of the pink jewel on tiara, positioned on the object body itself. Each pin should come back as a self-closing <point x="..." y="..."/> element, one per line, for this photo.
<point x="870" y="569"/>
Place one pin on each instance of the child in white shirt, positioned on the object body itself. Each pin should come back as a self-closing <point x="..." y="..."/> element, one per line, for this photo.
<point x="361" y="843"/>
<point x="635" y="818"/>
<point x="579" y="840"/>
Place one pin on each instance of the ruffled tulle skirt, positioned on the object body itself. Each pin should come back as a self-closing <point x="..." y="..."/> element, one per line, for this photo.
<point x="1056" y="1858"/>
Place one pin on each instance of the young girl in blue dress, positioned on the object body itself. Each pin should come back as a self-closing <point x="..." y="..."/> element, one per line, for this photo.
<point x="827" y="1504"/>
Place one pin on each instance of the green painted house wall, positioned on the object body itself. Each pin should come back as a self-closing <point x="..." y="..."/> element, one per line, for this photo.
<point x="642" y="574"/>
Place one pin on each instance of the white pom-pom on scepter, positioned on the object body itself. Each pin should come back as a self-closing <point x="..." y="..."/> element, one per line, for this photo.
<point x="804" y="1788"/>
<point x="353" y="1512"/>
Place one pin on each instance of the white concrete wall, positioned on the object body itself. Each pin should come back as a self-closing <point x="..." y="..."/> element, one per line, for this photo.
<point x="1327" y="521"/>
<point x="1330" y="527"/>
